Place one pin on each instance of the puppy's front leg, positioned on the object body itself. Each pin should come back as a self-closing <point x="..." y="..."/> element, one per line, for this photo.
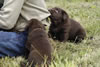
<point x="64" y="37"/>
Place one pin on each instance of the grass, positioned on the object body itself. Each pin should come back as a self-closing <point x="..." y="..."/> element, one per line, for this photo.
<point x="84" y="54"/>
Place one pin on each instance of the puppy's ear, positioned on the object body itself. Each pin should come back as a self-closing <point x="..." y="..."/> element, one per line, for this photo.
<point x="28" y="25"/>
<point x="31" y="23"/>
<point x="65" y="16"/>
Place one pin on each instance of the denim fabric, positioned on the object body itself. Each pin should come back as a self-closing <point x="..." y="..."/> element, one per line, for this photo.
<point x="12" y="43"/>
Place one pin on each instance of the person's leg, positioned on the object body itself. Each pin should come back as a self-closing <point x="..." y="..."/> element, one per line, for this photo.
<point x="12" y="43"/>
<point x="9" y="13"/>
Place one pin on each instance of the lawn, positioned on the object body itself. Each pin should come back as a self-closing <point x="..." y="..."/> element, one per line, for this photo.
<point x="84" y="54"/>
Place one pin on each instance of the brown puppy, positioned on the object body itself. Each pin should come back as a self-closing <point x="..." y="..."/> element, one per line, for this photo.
<point x="63" y="28"/>
<point x="38" y="43"/>
<point x="60" y="26"/>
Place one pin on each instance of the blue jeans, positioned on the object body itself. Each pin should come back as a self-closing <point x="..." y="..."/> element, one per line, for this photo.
<point x="12" y="43"/>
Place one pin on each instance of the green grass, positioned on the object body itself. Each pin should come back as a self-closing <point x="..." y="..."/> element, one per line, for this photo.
<point x="84" y="54"/>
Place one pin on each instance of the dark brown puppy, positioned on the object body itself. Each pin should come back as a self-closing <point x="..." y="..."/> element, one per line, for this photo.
<point x="60" y="26"/>
<point x="38" y="43"/>
<point x="63" y="28"/>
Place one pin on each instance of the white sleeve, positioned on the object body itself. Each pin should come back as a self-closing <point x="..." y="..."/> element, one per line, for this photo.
<point x="32" y="9"/>
<point x="35" y="9"/>
<point x="9" y="13"/>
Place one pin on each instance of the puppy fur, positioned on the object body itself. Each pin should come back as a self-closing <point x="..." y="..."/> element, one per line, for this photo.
<point x="38" y="43"/>
<point x="63" y="28"/>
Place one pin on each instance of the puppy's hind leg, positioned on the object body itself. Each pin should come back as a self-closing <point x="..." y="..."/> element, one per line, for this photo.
<point x="81" y="34"/>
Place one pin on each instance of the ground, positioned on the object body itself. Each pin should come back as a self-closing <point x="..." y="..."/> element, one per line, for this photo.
<point x="84" y="54"/>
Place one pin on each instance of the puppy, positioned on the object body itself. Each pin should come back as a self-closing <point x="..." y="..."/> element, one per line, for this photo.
<point x="38" y="43"/>
<point x="60" y="26"/>
<point x="63" y="28"/>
